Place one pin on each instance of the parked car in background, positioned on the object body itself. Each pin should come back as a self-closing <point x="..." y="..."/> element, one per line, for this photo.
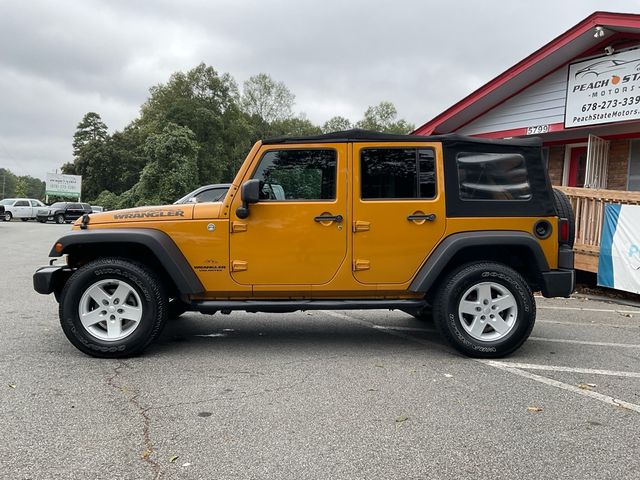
<point x="208" y="193"/>
<point x="23" y="208"/>
<point x="2" y="213"/>
<point x="62" y="212"/>
<point x="97" y="208"/>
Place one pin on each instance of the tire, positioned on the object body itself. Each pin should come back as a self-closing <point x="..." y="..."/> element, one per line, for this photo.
<point x="144" y="301"/>
<point x="7" y="216"/>
<point x="564" y="209"/>
<point x="60" y="218"/>
<point x="176" y="308"/>
<point x="469" y="281"/>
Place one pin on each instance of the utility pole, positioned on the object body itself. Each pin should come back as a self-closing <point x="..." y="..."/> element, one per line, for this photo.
<point x="4" y="176"/>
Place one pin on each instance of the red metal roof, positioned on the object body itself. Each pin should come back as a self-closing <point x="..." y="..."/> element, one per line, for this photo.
<point x="557" y="53"/>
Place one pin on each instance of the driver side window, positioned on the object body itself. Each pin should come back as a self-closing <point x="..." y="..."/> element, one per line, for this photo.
<point x="291" y="175"/>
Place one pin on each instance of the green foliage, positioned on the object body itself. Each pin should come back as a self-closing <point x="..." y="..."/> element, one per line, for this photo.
<point x="336" y="124"/>
<point x="90" y="129"/>
<point x="107" y="199"/>
<point x="193" y="130"/>
<point x="267" y="99"/>
<point x="209" y="105"/>
<point x="382" y="118"/>
<point x="8" y="182"/>
<point x="24" y="186"/>
<point x="173" y="166"/>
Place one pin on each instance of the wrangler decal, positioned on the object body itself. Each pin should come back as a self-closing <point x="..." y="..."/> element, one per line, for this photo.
<point x="149" y="214"/>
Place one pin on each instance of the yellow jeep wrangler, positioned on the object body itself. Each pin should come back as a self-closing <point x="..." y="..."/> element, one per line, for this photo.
<point x="458" y="230"/>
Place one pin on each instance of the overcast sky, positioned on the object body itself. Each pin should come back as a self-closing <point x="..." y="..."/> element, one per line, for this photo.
<point x="59" y="60"/>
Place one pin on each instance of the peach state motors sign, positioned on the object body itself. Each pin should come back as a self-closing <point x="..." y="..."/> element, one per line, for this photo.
<point x="603" y="90"/>
<point x="64" y="185"/>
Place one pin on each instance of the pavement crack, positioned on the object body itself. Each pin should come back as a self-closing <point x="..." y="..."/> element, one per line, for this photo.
<point x="132" y="399"/>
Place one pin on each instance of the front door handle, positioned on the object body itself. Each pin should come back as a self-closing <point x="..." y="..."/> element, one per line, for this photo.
<point x="430" y="217"/>
<point x="328" y="218"/>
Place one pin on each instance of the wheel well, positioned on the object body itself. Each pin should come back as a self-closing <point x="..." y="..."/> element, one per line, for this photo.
<point x="518" y="257"/>
<point x="79" y="255"/>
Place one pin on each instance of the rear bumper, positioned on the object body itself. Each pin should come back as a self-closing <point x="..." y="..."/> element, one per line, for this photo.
<point x="558" y="283"/>
<point x="51" y="279"/>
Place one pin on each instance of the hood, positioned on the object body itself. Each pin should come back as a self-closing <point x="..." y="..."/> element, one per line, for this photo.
<point x="142" y="214"/>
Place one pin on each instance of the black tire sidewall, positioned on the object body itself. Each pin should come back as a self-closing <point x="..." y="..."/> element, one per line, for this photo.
<point x="153" y="308"/>
<point x="58" y="217"/>
<point x="450" y="325"/>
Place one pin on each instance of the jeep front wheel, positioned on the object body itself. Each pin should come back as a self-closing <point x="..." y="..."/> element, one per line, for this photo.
<point x="485" y="310"/>
<point x="112" y="308"/>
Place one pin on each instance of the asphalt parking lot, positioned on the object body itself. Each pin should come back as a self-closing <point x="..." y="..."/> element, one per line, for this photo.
<point x="317" y="395"/>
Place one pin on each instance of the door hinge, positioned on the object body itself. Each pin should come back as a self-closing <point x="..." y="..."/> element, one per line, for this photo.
<point x="239" y="266"/>
<point x="359" y="265"/>
<point x="238" y="227"/>
<point x="361" y="226"/>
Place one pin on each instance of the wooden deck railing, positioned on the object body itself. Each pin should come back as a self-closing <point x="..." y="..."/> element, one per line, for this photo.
<point x="588" y="206"/>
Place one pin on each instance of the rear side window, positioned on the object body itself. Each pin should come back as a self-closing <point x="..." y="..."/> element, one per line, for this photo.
<point x="21" y="203"/>
<point x="290" y="175"/>
<point x="492" y="176"/>
<point x="399" y="173"/>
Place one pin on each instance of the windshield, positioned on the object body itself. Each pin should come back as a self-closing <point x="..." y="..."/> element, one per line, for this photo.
<point x="7" y="201"/>
<point x="58" y="205"/>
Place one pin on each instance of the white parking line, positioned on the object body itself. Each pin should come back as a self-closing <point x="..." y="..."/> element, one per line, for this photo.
<point x="535" y="339"/>
<point x="556" y="368"/>
<point x="507" y="367"/>
<point x="584" y="342"/>
<point x="590" y="324"/>
<point x="564" y="386"/>
<point x="582" y="309"/>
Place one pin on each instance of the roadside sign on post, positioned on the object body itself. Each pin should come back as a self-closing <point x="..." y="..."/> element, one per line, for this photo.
<point x="63" y="185"/>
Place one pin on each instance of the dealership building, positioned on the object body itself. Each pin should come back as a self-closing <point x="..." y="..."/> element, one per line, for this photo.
<point x="580" y="94"/>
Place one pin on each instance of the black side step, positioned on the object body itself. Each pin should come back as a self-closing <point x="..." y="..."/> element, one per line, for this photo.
<point x="283" y="306"/>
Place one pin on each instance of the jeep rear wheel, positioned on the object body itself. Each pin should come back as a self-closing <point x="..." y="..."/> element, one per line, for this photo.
<point x="485" y="310"/>
<point x="112" y="308"/>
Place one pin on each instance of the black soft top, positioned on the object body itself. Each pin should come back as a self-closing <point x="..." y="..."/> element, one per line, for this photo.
<point x="359" y="135"/>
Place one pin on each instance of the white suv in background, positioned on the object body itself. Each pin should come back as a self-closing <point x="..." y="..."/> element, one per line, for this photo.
<point x="22" y="208"/>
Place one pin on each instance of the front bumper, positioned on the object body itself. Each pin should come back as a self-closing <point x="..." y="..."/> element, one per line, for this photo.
<point x="51" y="279"/>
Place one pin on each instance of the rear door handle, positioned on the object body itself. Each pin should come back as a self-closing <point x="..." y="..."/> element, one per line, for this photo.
<point x="328" y="218"/>
<point x="430" y="217"/>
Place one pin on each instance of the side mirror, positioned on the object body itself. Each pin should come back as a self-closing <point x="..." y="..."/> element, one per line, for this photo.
<point x="249" y="193"/>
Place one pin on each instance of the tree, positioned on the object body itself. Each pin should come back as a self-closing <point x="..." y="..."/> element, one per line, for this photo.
<point x="207" y="104"/>
<point x="173" y="166"/>
<point x="382" y="118"/>
<point x="90" y="129"/>
<point x="8" y="182"/>
<point x="336" y="124"/>
<point x="267" y="99"/>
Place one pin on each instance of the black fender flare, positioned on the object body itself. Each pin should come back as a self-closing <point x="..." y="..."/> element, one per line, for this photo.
<point x="451" y="245"/>
<point x="159" y="243"/>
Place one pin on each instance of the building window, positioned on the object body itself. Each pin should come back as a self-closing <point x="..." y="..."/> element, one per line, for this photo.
<point x="400" y="173"/>
<point x="493" y="176"/>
